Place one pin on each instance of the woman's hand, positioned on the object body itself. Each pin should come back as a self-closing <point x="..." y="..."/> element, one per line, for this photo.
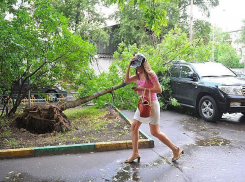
<point x="133" y="59"/>
<point x="134" y="88"/>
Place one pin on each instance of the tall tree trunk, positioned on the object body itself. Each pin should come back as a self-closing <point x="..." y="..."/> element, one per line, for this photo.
<point x="15" y="106"/>
<point x="77" y="18"/>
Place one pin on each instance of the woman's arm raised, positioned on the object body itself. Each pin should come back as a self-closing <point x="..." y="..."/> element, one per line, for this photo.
<point x="129" y="78"/>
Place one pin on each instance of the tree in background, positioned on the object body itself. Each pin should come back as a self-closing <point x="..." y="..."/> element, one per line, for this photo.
<point x="139" y="20"/>
<point x="84" y="18"/>
<point x="178" y="14"/>
<point x="133" y="21"/>
<point x="154" y="15"/>
<point x="242" y="39"/>
<point x="37" y="44"/>
<point x="223" y="51"/>
<point x="131" y="27"/>
<point x="227" y="55"/>
<point x="202" y="29"/>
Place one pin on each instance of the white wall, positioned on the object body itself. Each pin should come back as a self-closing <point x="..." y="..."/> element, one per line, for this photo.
<point x="101" y="65"/>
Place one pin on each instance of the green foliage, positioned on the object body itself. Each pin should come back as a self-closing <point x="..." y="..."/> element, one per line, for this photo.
<point x="202" y="29"/>
<point x="132" y="26"/>
<point x="220" y="36"/>
<point x="175" y="46"/>
<point x="227" y="55"/>
<point x="147" y="22"/>
<point x="223" y="51"/>
<point x="37" y="44"/>
<point x="202" y="6"/>
<point x="154" y="16"/>
<point x="84" y="18"/>
<point x="141" y="3"/>
<point x="174" y="102"/>
<point x="11" y="6"/>
<point x="242" y="39"/>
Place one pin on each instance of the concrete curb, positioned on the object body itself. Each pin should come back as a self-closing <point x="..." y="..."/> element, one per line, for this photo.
<point x="78" y="148"/>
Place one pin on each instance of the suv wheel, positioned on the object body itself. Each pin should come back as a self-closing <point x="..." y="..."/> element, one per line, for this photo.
<point x="208" y="109"/>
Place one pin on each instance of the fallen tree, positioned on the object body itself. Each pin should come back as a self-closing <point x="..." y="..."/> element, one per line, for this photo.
<point x="44" y="119"/>
<point x="78" y="102"/>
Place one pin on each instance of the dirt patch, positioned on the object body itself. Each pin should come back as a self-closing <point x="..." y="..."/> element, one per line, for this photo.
<point x="92" y="126"/>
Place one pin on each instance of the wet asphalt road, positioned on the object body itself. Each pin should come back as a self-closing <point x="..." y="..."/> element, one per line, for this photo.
<point x="213" y="152"/>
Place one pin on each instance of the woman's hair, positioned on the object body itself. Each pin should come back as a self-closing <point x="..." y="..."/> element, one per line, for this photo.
<point x="147" y="69"/>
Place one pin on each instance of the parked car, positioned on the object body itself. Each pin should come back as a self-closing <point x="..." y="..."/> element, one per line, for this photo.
<point x="54" y="92"/>
<point x="210" y="88"/>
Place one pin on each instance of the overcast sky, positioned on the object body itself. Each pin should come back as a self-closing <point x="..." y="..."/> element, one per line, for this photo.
<point x="228" y="15"/>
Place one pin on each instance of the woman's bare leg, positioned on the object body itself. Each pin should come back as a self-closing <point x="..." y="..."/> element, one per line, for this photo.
<point x="155" y="131"/>
<point x="135" y="140"/>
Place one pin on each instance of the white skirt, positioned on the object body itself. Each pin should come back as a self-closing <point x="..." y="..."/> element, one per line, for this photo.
<point x="154" y="117"/>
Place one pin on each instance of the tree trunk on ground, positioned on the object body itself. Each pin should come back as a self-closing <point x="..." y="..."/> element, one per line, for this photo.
<point x="44" y="119"/>
<point x="78" y="102"/>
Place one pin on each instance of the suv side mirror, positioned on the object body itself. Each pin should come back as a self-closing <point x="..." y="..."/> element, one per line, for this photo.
<point x="192" y="75"/>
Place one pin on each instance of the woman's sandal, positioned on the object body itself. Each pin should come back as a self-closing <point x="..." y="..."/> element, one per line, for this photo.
<point x="132" y="159"/>
<point x="181" y="151"/>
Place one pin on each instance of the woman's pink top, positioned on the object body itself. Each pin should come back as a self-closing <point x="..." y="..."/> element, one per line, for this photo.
<point x="148" y="84"/>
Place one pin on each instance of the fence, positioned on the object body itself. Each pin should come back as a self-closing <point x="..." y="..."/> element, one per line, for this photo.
<point x="41" y="99"/>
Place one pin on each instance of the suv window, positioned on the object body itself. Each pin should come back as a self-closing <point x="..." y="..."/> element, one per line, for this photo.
<point x="212" y="69"/>
<point x="174" y="71"/>
<point x="184" y="71"/>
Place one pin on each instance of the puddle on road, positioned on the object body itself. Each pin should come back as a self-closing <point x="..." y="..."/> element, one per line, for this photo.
<point x="128" y="172"/>
<point x="213" y="142"/>
<point x="131" y="171"/>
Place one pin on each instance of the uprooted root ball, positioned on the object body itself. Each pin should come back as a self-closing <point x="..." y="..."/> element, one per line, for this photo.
<point x="43" y="119"/>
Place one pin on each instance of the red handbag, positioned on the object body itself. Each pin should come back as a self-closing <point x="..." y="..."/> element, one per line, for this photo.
<point x="144" y="105"/>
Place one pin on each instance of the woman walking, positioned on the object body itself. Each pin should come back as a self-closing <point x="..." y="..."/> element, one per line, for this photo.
<point x="147" y="80"/>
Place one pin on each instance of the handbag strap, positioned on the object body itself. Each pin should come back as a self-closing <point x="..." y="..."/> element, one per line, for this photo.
<point x="149" y="97"/>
